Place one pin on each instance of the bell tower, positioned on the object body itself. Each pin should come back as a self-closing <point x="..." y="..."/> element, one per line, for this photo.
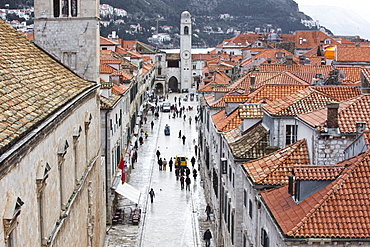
<point x="69" y="31"/>
<point x="185" y="50"/>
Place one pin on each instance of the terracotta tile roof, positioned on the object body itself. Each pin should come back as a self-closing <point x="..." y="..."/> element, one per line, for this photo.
<point x="351" y="74"/>
<point x="339" y="92"/>
<point x="271" y="92"/>
<point x="356" y="54"/>
<point x="250" y="111"/>
<point x="275" y="168"/>
<point x="224" y="123"/>
<point x="366" y="73"/>
<point x="241" y="39"/>
<point x="339" y="210"/>
<point x="107" y="103"/>
<point x="107" y="42"/>
<point x="366" y="135"/>
<point x="304" y="101"/>
<point x="318" y="172"/>
<point x="32" y="86"/>
<point x="311" y="39"/>
<point x="313" y="69"/>
<point x="272" y="54"/>
<point x="282" y="78"/>
<point x="349" y="112"/>
<point x="251" y="145"/>
<point x="119" y="89"/>
<point x="105" y="69"/>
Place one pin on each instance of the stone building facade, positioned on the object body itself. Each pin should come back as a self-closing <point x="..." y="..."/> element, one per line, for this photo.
<point x="69" y="31"/>
<point x="50" y="163"/>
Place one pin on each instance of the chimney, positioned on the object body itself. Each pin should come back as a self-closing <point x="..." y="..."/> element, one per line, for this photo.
<point x="332" y="118"/>
<point x="289" y="60"/>
<point x="252" y="80"/>
<point x="360" y="127"/>
<point x="323" y="62"/>
<point x="268" y="60"/>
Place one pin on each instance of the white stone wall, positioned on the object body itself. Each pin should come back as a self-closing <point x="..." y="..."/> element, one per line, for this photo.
<point x="72" y="41"/>
<point x="330" y="150"/>
<point x="21" y="182"/>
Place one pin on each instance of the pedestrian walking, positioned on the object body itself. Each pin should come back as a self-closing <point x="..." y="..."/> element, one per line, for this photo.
<point x="164" y="164"/>
<point x="170" y="164"/>
<point x="145" y="119"/>
<point x="183" y="139"/>
<point x="190" y="120"/>
<point x="207" y="237"/>
<point x="184" y="117"/>
<point x="179" y="133"/>
<point x="208" y="211"/>
<point x="160" y="162"/>
<point x="182" y="181"/>
<point x="146" y="134"/>
<point x="175" y="99"/>
<point x="158" y="154"/>
<point x="187" y="171"/>
<point x="196" y="150"/>
<point x="152" y="195"/>
<point x="177" y="173"/>
<point x="195" y="174"/>
<point x="188" y="182"/>
<point x="141" y="141"/>
<point x="152" y="124"/>
<point x="192" y="161"/>
<point x="182" y="171"/>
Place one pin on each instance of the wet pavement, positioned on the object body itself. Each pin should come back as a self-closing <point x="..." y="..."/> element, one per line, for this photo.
<point x="176" y="217"/>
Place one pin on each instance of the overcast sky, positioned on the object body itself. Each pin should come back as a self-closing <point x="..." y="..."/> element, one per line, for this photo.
<point x="361" y="7"/>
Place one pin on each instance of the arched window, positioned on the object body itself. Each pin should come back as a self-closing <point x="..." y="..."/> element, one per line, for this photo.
<point x="186" y="30"/>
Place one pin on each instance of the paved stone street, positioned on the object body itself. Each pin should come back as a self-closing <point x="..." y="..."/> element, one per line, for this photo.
<point x="176" y="217"/>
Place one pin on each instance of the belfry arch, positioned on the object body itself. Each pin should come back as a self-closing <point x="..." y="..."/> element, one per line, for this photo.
<point x="173" y="84"/>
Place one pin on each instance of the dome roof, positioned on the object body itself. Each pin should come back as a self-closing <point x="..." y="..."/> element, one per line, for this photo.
<point x="185" y="14"/>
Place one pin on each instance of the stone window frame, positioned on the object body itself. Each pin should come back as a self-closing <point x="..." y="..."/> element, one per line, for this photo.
<point x="10" y="219"/>
<point x="65" y="8"/>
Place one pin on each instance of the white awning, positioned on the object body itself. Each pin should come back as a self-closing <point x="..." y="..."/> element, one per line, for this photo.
<point x="129" y="192"/>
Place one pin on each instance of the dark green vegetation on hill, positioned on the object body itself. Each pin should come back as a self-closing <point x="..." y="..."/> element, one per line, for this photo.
<point x="247" y="15"/>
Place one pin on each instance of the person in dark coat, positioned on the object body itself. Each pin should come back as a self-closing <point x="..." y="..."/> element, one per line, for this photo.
<point x="158" y="154"/>
<point x="160" y="164"/>
<point x="188" y="182"/>
<point x="192" y="161"/>
<point x="183" y="139"/>
<point x="182" y="181"/>
<point x="141" y="140"/>
<point x="207" y="237"/>
<point x="177" y="173"/>
<point x="208" y="211"/>
<point x="179" y="133"/>
<point x="170" y="164"/>
<point x="195" y="174"/>
<point x="187" y="171"/>
<point x="152" y="124"/>
<point x="152" y="195"/>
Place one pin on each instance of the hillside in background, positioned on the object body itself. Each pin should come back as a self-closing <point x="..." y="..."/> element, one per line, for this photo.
<point x="245" y="16"/>
<point x="213" y="20"/>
